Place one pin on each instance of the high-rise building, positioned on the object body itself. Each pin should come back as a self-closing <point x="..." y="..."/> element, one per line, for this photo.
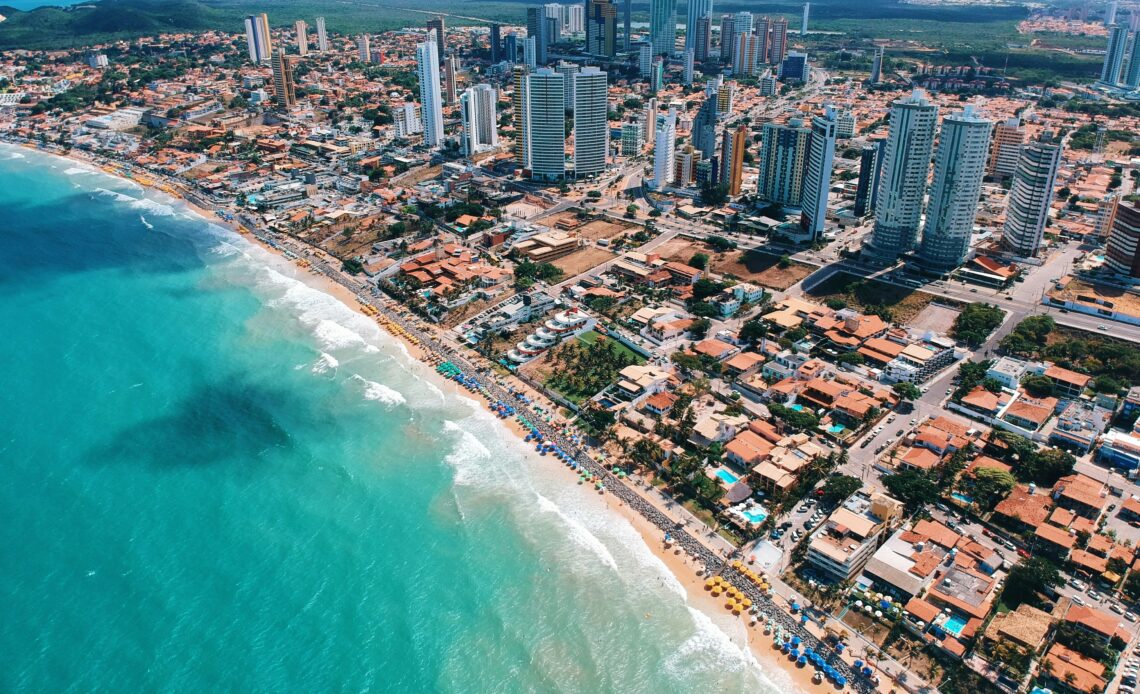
<point x="530" y="52"/>
<point x="783" y="158"/>
<point x="959" y="167"/>
<point x="322" y="36"/>
<point x="575" y="19"/>
<point x="845" y="125"/>
<point x="632" y="138"/>
<point x="258" y="38"/>
<point x="436" y="24"/>
<point x="663" y="26"/>
<point x="804" y="19"/>
<point x="511" y="47"/>
<point x="283" y="94"/>
<point x="554" y="11"/>
<point x="1122" y="255"/>
<point x="766" y="85"/>
<point x="703" y="39"/>
<point x="627" y="23"/>
<point x="496" y="44"/>
<point x="431" y="101"/>
<point x="704" y="128"/>
<point x="591" y="132"/>
<point x="1030" y="194"/>
<point x="1132" y="75"/>
<point x="902" y="185"/>
<point x="477" y="109"/>
<point x="795" y="68"/>
<point x="546" y="124"/>
<point x="725" y="99"/>
<point x="687" y="72"/>
<point x="685" y="166"/>
<point x="657" y="76"/>
<point x="732" y="154"/>
<point x="519" y="103"/>
<point x="877" y="66"/>
<point x="778" y="43"/>
<point x="761" y="29"/>
<point x="817" y="178"/>
<point x="302" y="32"/>
<point x="407" y="120"/>
<point x="664" y="154"/>
<point x="645" y="59"/>
<point x="1110" y="13"/>
<point x="745" y="56"/>
<point x="601" y="28"/>
<point x="364" y="48"/>
<point x="1009" y="136"/>
<point x="538" y="28"/>
<point x="450" y="68"/>
<point x="1114" y="55"/>
<point x="727" y="38"/>
<point x="568" y="70"/>
<point x="695" y="10"/>
<point x="651" y="119"/>
<point x="743" y="23"/>
<point x="867" y="180"/>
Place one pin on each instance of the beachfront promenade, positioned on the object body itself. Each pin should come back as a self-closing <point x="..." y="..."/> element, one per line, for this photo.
<point x="696" y="548"/>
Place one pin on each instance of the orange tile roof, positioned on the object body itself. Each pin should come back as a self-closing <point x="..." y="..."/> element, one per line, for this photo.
<point x="1055" y="535"/>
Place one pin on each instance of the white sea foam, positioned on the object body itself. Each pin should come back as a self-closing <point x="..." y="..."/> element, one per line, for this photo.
<point x="115" y="194"/>
<point x="152" y="206"/>
<point x="468" y="457"/>
<point x="325" y="363"/>
<point x="145" y="223"/>
<point x="78" y="170"/>
<point x="16" y="155"/>
<point x="380" y="392"/>
<point x="579" y="533"/>
<point x="334" y="335"/>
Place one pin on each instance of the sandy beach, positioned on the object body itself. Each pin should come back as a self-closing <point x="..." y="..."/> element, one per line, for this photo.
<point x="677" y="561"/>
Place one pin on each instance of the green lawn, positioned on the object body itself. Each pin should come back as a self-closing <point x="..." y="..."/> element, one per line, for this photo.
<point x="591" y="336"/>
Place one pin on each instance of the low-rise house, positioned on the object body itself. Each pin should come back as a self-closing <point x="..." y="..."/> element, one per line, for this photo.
<point x="1081" y="494"/>
<point x="1027" y="627"/>
<point x="1068" y="384"/>
<point x="1054" y="541"/>
<point x="1024" y="509"/>
<point x="748" y="449"/>
<point x="1079" y="425"/>
<point x="1066" y="670"/>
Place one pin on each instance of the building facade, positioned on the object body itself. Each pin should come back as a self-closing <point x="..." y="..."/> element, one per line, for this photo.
<point x="1030" y="195"/>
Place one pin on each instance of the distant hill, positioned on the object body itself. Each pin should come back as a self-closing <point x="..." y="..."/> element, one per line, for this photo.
<point x="54" y="27"/>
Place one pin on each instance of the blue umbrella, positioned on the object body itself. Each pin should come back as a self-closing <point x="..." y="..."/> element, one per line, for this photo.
<point x="802" y="660"/>
<point x="795" y="607"/>
<point x="841" y="680"/>
<point x="858" y="663"/>
<point x="867" y="671"/>
<point x="839" y="646"/>
<point x="796" y="641"/>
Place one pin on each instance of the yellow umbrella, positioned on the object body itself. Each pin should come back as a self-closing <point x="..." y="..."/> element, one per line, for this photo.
<point x="709" y="584"/>
<point x="746" y="602"/>
<point x="715" y="592"/>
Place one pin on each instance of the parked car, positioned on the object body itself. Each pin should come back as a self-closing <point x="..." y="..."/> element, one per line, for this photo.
<point x="1093" y="594"/>
<point x="1077" y="600"/>
<point x="1009" y="545"/>
<point x="1116" y="608"/>
<point x="1130" y="616"/>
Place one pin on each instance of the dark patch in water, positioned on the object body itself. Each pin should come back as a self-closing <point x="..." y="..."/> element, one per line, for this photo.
<point x="217" y="423"/>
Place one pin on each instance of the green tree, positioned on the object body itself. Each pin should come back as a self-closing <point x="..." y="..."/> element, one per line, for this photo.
<point x="699" y="261"/>
<point x="839" y="487"/>
<point x="1039" y="386"/>
<point x="907" y="390"/>
<point x="753" y="330"/>
<point x="1027" y="579"/>
<point x="911" y="487"/>
<point x="975" y="323"/>
<point x="990" y="486"/>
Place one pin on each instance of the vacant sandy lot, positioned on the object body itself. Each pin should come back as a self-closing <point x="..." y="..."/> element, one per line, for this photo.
<point x="582" y="259"/>
<point x="935" y="318"/>
<point x="759" y="268"/>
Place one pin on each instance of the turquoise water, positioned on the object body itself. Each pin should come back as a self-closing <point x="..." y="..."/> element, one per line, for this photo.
<point x="965" y="499"/>
<point x="727" y="476"/>
<point x="796" y="406"/>
<point x="216" y="477"/>
<point x="955" y="624"/>
<point x="755" y="515"/>
<point x="836" y="429"/>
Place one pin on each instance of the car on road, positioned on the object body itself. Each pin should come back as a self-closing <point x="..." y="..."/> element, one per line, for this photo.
<point x="1009" y="545"/>
<point x="1116" y="608"/>
<point x="1078" y="583"/>
<point x="900" y="432"/>
<point x="1130" y="616"/>
<point x="1077" y="600"/>
<point x="1093" y="594"/>
<point x="1102" y="326"/>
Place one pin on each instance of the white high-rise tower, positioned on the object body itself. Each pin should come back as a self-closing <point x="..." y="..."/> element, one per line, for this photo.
<point x="906" y="162"/>
<point x="477" y="108"/>
<point x="664" y="150"/>
<point x="322" y="36"/>
<point x="431" y="100"/>
<point x="817" y="178"/>
<point x="663" y="26"/>
<point x="1030" y="195"/>
<point x="546" y="129"/>
<point x="959" y="168"/>
<point x="302" y="31"/>
<point x="591" y="133"/>
<point x="1114" y="55"/>
<point x="257" y="38"/>
<point x="696" y="10"/>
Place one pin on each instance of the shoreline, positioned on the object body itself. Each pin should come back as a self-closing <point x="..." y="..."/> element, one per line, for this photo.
<point x="682" y="564"/>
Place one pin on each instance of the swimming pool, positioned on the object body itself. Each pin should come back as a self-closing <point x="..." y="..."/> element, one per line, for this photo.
<point x="755" y="514"/>
<point x="726" y="476"/>
<point x="955" y="624"/>
<point x="836" y="429"/>
<point x="796" y="407"/>
<point x="963" y="498"/>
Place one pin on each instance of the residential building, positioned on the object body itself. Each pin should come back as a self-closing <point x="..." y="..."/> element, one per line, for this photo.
<point x="732" y="155"/>
<point x="257" y="38"/>
<point x="778" y="43"/>
<point x="817" y="178"/>
<point x="746" y="55"/>
<point x="703" y="39"/>
<point x="538" y="28"/>
<point x="301" y="31"/>
<point x="437" y="25"/>
<point x="645" y="59"/>
<point x="568" y="70"/>
<point x="804" y="19"/>
<point x="663" y="26"/>
<point x="1030" y="196"/>
<point x="632" y="138"/>
<point x="1132" y="77"/>
<point x="704" y="128"/>
<point x="322" y="36"/>
<point x="843" y="544"/>
<point x="1114" y="55"/>
<point x="958" y="171"/>
<point x="283" y="94"/>
<point x="783" y="158"/>
<point x="663" y="151"/>
<point x="867" y="181"/>
<point x="364" y="48"/>
<point x="496" y="42"/>
<point x="696" y="10"/>
<point x="546" y="118"/>
<point x="906" y="162"/>
<point x="450" y="68"/>
<point x="727" y="37"/>
<point x="431" y="101"/>
<point x="591" y="133"/>
<point x="688" y="59"/>
<point x="480" y="127"/>
<point x="1123" y="249"/>
<point x="845" y="125"/>
<point x="877" y="66"/>
<point x="601" y="28"/>
<point x="519" y="102"/>
<point x="1009" y="136"/>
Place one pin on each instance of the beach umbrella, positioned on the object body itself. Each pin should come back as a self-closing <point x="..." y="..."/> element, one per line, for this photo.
<point x="795" y="607"/>
<point x="867" y="671"/>
<point x="803" y="619"/>
<point x="801" y="660"/>
<point x="858" y="603"/>
<point x="840" y="646"/>
<point x="858" y="663"/>
<point x="796" y="641"/>
<point x="841" y="680"/>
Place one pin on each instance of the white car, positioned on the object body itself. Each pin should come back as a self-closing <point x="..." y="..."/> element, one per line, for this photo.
<point x="1077" y="600"/>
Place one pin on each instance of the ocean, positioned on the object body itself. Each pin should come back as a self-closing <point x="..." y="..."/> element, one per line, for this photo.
<point x="217" y="477"/>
